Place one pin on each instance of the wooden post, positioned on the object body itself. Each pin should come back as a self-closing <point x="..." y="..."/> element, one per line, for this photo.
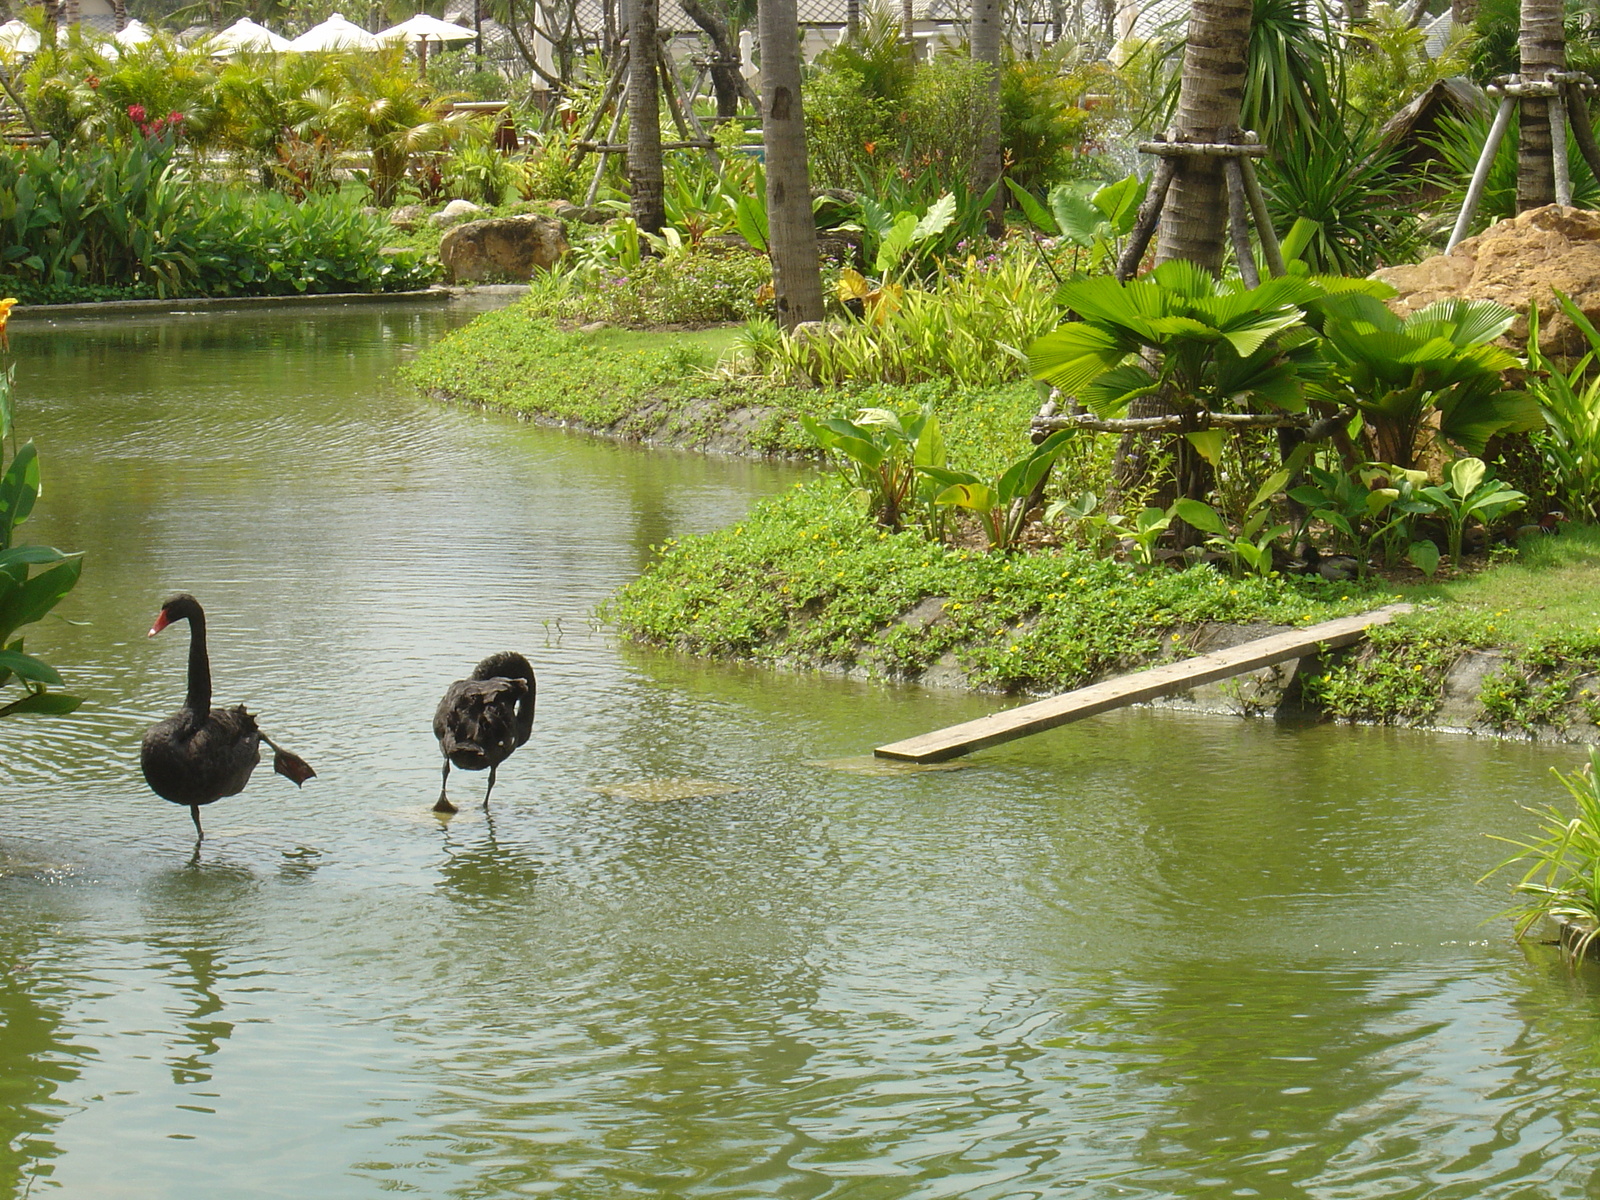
<point x="1480" y="173"/>
<point x="1239" y="224"/>
<point x="1558" y="149"/>
<point x="1149" y="216"/>
<point x="1270" y="250"/>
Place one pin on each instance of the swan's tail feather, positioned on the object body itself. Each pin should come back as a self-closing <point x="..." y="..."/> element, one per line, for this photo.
<point x="289" y="764"/>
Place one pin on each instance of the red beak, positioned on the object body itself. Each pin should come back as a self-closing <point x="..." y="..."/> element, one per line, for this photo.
<point x="161" y="623"/>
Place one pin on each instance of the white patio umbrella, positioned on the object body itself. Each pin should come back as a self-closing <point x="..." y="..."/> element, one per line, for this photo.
<point x="134" y="33"/>
<point x="245" y="34"/>
<point x="423" y="28"/>
<point x="17" y="38"/>
<point x="335" y="34"/>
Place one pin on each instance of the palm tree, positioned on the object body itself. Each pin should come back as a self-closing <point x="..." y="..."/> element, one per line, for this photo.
<point x="792" y="230"/>
<point x="1543" y="49"/>
<point x="1209" y="100"/>
<point x="646" y="178"/>
<point x="986" y="49"/>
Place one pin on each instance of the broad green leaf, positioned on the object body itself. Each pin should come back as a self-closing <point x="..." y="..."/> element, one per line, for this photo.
<point x="1111" y="392"/>
<point x="1036" y="213"/>
<point x="978" y="496"/>
<point x="1466" y="474"/>
<point x="45" y="704"/>
<point x="1075" y="353"/>
<point x="1272" y="486"/>
<point x="25" y="666"/>
<point x="1424" y="556"/>
<point x="936" y="220"/>
<point x="1201" y="515"/>
<point x="1120" y="202"/>
<point x="1209" y="443"/>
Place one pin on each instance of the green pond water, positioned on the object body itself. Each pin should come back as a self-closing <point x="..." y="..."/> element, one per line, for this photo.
<point x="1147" y="955"/>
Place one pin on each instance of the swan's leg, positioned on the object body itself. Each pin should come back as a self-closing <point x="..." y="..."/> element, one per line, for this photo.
<point x="490" y="788"/>
<point x="444" y="805"/>
<point x="194" y="814"/>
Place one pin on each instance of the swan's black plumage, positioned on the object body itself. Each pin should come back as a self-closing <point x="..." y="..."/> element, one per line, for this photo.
<point x="483" y="718"/>
<point x="200" y="754"/>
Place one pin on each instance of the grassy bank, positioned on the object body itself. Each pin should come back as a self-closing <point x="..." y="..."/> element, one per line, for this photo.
<point x="664" y="385"/>
<point x="806" y="581"/>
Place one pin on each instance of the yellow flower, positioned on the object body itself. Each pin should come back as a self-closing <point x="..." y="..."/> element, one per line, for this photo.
<point x="6" y="306"/>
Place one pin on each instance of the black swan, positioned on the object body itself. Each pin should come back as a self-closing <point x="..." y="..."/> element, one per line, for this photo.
<point x="200" y="754"/>
<point x="482" y="719"/>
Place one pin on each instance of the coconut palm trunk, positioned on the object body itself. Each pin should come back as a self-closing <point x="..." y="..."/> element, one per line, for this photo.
<point x="645" y="173"/>
<point x="1543" y="49"/>
<point x="986" y="49"/>
<point x="796" y="275"/>
<point x="1193" y="224"/>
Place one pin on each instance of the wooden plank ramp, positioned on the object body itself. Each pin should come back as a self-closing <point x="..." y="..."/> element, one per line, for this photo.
<point x="1101" y="697"/>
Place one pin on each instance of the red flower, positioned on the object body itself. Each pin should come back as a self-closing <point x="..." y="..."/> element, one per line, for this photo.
<point x="136" y="113"/>
<point x="93" y="81"/>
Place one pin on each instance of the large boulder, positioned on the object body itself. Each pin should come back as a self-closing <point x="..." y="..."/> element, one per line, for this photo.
<point x="502" y="248"/>
<point x="1516" y="263"/>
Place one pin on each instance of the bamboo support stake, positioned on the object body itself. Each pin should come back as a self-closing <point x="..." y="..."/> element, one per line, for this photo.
<point x="1239" y="224"/>
<point x="1558" y="149"/>
<point x="1149" y="215"/>
<point x="1480" y="174"/>
<point x="611" y="137"/>
<point x="618" y="74"/>
<point x="683" y="111"/>
<point x="1270" y="249"/>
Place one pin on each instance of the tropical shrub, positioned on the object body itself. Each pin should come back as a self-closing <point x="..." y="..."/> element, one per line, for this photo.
<point x="26" y="595"/>
<point x="686" y="286"/>
<point x="129" y="217"/>
<point x="1430" y="374"/>
<point x="1047" y="133"/>
<point x="1338" y="177"/>
<point x="879" y="454"/>
<point x="1569" y="397"/>
<point x="846" y="128"/>
<point x="966" y="327"/>
<point x="1458" y="144"/>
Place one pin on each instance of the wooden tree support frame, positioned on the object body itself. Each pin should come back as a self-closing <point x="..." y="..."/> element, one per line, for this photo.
<point x="1247" y="204"/>
<point x="691" y="132"/>
<point x="1569" y="108"/>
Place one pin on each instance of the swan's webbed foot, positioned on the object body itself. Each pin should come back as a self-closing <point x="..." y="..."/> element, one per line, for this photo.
<point x="444" y="806"/>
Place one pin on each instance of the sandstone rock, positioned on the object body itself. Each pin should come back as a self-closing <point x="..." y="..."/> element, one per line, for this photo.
<point x="1515" y="263"/>
<point x="407" y="216"/>
<point x="455" y="212"/>
<point x="502" y="248"/>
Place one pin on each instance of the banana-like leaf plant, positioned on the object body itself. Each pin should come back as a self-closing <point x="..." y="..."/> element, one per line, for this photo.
<point x="1002" y="502"/>
<point x="27" y="595"/>
<point x="1469" y="492"/>
<point x="880" y="453"/>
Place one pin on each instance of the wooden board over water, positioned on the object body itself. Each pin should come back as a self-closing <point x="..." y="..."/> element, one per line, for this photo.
<point x="1101" y="697"/>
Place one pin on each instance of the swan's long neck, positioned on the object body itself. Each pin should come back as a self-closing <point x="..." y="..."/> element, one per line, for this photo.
<point x="199" y="697"/>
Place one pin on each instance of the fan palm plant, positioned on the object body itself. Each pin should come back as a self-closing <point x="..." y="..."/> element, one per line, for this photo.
<point x="382" y="108"/>
<point x="1434" y="367"/>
